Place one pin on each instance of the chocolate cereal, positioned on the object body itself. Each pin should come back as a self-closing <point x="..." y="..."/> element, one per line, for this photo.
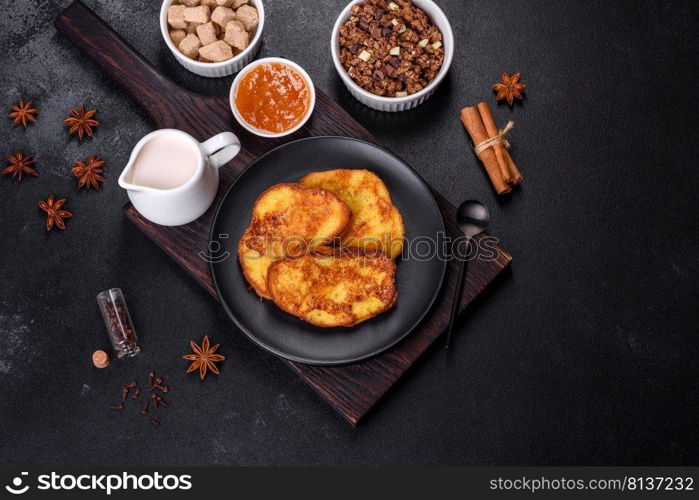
<point x="390" y="48"/>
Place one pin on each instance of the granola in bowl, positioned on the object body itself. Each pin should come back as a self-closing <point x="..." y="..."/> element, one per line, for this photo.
<point x="390" y="48"/>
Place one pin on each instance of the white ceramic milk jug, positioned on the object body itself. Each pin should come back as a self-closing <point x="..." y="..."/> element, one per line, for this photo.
<point x="172" y="178"/>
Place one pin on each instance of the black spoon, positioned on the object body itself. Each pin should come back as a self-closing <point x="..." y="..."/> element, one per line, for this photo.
<point x="472" y="217"/>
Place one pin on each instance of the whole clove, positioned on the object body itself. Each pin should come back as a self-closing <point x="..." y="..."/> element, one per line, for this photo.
<point x="153" y="401"/>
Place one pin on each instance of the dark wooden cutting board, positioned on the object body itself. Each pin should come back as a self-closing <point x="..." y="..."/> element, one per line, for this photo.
<point x="351" y="389"/>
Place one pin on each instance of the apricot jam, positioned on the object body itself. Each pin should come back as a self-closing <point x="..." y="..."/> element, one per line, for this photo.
<point x="272" y="97"/>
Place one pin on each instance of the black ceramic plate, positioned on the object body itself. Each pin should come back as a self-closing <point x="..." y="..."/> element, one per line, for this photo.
<point x="418" y="280"/>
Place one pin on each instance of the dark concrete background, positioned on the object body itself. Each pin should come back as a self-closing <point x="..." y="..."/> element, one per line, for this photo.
<point x="586" y="354"/>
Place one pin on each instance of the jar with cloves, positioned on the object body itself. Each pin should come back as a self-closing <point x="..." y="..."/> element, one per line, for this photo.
<point x="118" y="322"/>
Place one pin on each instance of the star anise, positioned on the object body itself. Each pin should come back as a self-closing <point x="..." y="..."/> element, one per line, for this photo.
<point x="88" y="172"/>
<point x="509" y="87"/>
<point x="20" y="165"/>
<point x="204" y="358"/>
<point x="81" y="121"/>
<point x="54" y="213"/>
<point x="22" y="113"/>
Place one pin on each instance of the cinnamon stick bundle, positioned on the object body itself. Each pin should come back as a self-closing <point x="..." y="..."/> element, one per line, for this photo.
<point x="503" y="172"/>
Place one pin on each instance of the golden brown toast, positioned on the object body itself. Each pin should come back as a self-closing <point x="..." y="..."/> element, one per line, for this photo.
<point x="376" y="222"/>
<point x="329" y="291"/>
<point x="288" y="219"/>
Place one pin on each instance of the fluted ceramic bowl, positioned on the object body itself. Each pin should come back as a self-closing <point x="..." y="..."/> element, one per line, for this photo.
<point x="393" y="104"/>
<point x="265" y="133"/>
<point x="215" y="69"/>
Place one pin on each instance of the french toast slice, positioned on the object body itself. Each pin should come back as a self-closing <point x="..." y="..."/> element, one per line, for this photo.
<point x="288" y="220"/>
<point x="376" y="222"/>
<point x="332" y="290"/>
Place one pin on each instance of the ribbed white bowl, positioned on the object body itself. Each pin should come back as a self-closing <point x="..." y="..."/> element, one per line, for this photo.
<point x="217" y="69"/>
<point x="393" y="104"/>
<point x="264" y="133"/>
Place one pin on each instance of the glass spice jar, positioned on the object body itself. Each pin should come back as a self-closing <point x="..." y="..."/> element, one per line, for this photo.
<point x="118" y="323"/>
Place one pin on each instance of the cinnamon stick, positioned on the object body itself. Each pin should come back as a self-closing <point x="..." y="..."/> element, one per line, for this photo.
<point x="511" y="173"/>
<point x="471" y="119"/>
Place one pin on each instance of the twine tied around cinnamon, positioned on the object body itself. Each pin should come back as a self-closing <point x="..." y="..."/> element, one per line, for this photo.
<point x="490" y="145"/>
<point x="500" y="138"/>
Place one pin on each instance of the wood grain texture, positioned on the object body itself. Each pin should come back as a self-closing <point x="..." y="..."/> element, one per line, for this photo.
<point x="351" y="389"/>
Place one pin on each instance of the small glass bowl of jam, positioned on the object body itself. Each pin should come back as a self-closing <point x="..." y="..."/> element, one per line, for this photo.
<point x="272" y="97"/>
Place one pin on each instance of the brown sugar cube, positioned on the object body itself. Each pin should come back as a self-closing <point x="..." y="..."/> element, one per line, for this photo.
<point x="199" y="15"/>
<point x="177" y="36"/>
<point x="190" y="45"/>
<point x="192" y="27"/>
<point x="221" y="16"/>
<point x="175" y="17"/>
<point x="238" y="3"/>
<point x="217" y="51"/>
<point x="225" y="3"/>
<point x="211" y="4"/>
<point x="236" y="36"/>
<point x="248" y="15"/>
<point x="190" y="3"/>
<point x="206" y="33"/>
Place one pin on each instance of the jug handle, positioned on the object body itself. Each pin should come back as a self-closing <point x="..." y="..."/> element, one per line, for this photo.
<point x="221" y="148"/>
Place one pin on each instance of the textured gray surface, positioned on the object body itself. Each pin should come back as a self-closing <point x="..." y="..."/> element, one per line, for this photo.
<point x="586" y="354"/>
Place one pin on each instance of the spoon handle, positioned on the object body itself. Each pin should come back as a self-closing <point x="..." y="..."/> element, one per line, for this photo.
<point x="457" y="300"/>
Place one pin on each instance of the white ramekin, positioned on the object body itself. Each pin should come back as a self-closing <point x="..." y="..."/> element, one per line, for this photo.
<point x="263" y="133"/>
<point x="215" y="69"/>
<point x="393" y="104"/>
